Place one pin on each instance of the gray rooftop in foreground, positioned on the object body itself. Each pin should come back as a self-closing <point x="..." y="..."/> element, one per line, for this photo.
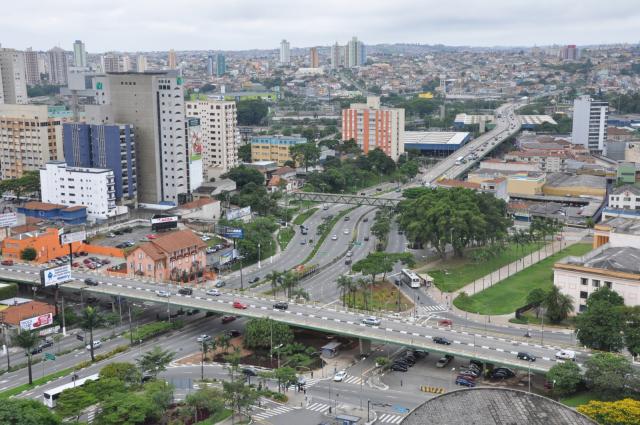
<point x="618" y="259"/>
<point x="491" y="406"/>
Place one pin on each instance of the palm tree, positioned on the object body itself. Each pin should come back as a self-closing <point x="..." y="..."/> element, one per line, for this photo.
<point x="223" y="341"/>
<point x="289" y="281"/>
<point x="344" y="282"/>
<point x="89" y="320"/>
<point x="273" y="278"/>
<point x="299" y="293"/>
<point x="27" y="340"/>
<point x="363" y="285"/>
<point x="558" y="305"/>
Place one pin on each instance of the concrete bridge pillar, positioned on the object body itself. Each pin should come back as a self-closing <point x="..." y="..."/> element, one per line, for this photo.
<point x="365" y="346"/>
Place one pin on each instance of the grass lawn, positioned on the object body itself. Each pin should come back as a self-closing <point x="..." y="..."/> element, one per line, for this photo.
<point x="219" y="416"/>
<point x="20" y="388"/>
<point x="385" y="297"/>
<point x="284" y="236"/>
<point x="578" y="399"/>
<point x="303" y="216"/>
<point x="529" y="316"/>
<point x="505" y="297"/>
<point x="464" y="271"/>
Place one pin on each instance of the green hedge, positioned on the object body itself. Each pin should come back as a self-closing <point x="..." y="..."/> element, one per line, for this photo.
<point x="8" y="291"/>
<point x="151" y="330"/>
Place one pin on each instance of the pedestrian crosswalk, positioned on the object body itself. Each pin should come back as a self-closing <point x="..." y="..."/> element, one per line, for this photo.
<point x="387" y="418"/>
<point x="267" y="410"/>
<point x="350" y="379"/>
<point x="434" y="308"/>
<point x="308" y="383"/>
<point x="318" y="407"/>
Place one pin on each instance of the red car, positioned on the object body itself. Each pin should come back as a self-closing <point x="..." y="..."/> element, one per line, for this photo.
<point x="152" y="236"/>
<point x="445" y="322"/>
<point x="75" y="264"/>
<point x="90" y="266"/>
<point x="228" y="319"/>
<point x="238" y="304"/>
<point x="7" y="262"/>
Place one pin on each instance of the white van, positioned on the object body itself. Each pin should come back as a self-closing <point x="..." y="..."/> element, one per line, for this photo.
<point x="566" y="355"/>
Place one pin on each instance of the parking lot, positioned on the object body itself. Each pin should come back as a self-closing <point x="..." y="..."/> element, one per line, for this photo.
<point x="130" y="236"/>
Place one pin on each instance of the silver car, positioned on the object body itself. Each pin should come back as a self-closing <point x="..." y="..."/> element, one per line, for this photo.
<point x="371" y="321"/>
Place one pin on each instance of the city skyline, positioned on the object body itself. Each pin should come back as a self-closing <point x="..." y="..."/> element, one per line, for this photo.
<point x="249" y="24"/>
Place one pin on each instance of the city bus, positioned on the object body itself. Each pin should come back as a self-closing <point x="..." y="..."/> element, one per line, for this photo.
<point x="50" y="397"/>
<point x="411" y="279"/>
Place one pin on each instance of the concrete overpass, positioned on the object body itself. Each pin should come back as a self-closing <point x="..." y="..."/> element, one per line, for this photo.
<point x="331" y="319"/>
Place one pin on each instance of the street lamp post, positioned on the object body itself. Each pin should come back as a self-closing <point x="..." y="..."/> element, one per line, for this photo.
<point x="368" y="410"/>
<point x="259" y="264"/>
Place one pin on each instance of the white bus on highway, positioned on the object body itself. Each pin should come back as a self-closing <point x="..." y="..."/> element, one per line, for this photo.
<point x="50" y="397"/>
<point x="410" y="278"/>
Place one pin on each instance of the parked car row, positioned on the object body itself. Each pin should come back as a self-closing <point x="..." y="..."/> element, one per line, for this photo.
<point x="407" y="360"/>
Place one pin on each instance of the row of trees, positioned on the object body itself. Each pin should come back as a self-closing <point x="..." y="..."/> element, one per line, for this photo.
<point x="381" y="227"/>
<point x="288" y="282"/>
<point x="28" y="183"/>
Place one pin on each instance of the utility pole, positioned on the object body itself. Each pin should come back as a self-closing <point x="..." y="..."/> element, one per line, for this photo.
<point x="64" y="327"/>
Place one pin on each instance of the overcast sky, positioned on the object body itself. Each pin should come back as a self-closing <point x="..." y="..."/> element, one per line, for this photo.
<point x="144" y="25"/>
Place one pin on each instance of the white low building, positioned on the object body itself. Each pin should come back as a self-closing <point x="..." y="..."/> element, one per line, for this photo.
<point x="93" y="188"/>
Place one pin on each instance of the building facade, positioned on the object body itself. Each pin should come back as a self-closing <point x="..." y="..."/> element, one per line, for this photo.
<point x="57" y="66"/>
<point x="314" y="60"/>
<point x="373" y="126"/>
<point x="31" y="70"/>
<point x="13" y="80"/>
<point x="153" y="103"/>
<point x="285" y="53"/>
<point x="274" y="148"/>
<point x="110" y="146"/>
<point x="625" y="197"/>
<point x="590" y="123"/>
<point x="79" y="54"/>
<point x="221" y="65"/>
<point x="173" y="256"/>
<point x="172" y="61"/>
<point x="29" y="138"/>
<point x="93" y="188"/>
<point x="220" y="134"/>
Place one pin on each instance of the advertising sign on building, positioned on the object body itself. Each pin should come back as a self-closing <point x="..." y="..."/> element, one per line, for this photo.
<point x="238" y="213"/>
<point x="66" y="238"/>
<point x="8" y="219"/>
<point x="233" y="233"/>
<point x="55" y="275"/>
<point x="37" y="322"/>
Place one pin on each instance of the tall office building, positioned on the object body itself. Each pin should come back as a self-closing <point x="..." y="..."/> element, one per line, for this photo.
<point x="285" y="53"/>
<point x="210" y="65"/>
<point x="570" y="52"/>
<point x="355" y="53"/>
<point x="335" y="56"/>
<point x="31" y="67"/>
<point x="58" y="66"/>
<point x="29" y="138"/>
<point x="13" y="81"/>
<point x="314" y="60"/>
<point x="141" y="63"/>
<point x="590" y="123"/>
<point x="220" y="134"/>
<point x="79" y="54"/>
<point x="109" y="146"/>
<point x="153" y="103"/>
<point x="373" y="126"/>
<point x="221" y="65"/>
<point x="172" y="62"/>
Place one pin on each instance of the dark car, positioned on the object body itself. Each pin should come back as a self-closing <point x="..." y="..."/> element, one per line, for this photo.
<point x="502" y="373"/>
<point x="228" y="319"/>
<point x="185" y="291"/>
<point x="399" y="367"/>
<point x="441" y="340"/>
<point x="526" y="356"/>
<point x="254" y="279"/>
<point x="467" y="377"/>
<point x="476" y="363"/>
<point x="365" y="219"/>
<point x="465" y="383"/>
<point x="281" y="305"/>
<point x="469" y="372"/>
<point x="232" y="333"/>
<point x="366" y="238"/>
<point x="247" y="371"/>
<point x="90" y="282"/>
<point x="347" y="262"/>
<point x="7" y="262"/>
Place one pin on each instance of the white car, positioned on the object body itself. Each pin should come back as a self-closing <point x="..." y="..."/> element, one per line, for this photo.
<point x="163" y="294"/>
<point x="334" y="237"/>
<point x="205" y="238"/>
<point x="346" y="231"/>
<point x="203" y="338"/>
<point x="566" y="355"/>
<point x="214" y="292"/>
<point x="338" y="377"/>
<point x="96" y="344"/>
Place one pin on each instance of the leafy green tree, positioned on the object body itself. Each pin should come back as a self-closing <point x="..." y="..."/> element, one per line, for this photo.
<point x="608" y="374"/>
<point x="28" y="254"/>
<point x="285" y="375"/>
<point x="156" y="360"/>
<point x="243" y="175"/>
<point x="566" y="377"/>
<point x="378" y="263"/>
<point x="305" y="153"/>
<point x="125" y="408"/>
<point x="632" y="329"/>
<point x="409" y="169"/>
<point x="273" y="277"/>
<point x="348" y="147"/>
<point x="265" y="333"/>
<point x="27" y="340"/>
<point x="223" y="341"/>
<point x="72" y="402"/>
<point x="244" y="152"/>
<point x="380" y="161"/>
<point x="205" y="401"/>
<point x="128" y="373"/>
<point x="619" y="412"/>
<point x="21" y="411"/>
<point x="535" y="298"/>
<point x="252" y="111"/>
<point x="160" y="393"/>
<point x="558" y="305"/>
<point x="600" y="326"/>
<point x="89" y="320"/>
<point x="289" y="282"/>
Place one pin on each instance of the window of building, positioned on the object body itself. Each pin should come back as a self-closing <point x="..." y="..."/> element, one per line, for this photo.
<point x="582" y="308"/>
<point x="584" y="295"/>
<point x="595" y="283"/>
<point x="607" y="284"/>
<point x="584" y="281"/>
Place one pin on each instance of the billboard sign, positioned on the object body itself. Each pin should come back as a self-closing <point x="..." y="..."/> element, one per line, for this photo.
<point x="233" y="233"/>
<point x="8" y="219"/>
<point x="55" y="275"/>
<point x="66" y="238"/>
<point x="36" y="322"/>
<point x="228" y="256"/>
<point x="238" y="213"/>
<point x="164" y="219"/>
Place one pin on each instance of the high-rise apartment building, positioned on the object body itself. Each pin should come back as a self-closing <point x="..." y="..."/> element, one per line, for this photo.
<point x="274" y="148"/>
<point x="285" y="53"/>
<point x="118" y="63"/>
<point x="570" y="52"/>
<point x="590" y="123"/>
<point x="141" y="63"/>
<point x="221" y="65"/>
<point x="220" y="134"/>
<point x="314" y="60"/>
<point x="108" y="146"/>
<point x="153" y="103"/>
<point x="31" y="67"/>
<point x="13" y="81"/>
<point x="172" y="61"/>
<point x="210" y="65"/>
<point x="29" y="138"/>
<point x="79" y="54"/>
<point x="372" y="126"/>
<point x="335" y="56"/>
<point x="355" y="53"/>
<point x="58" y="66"/>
